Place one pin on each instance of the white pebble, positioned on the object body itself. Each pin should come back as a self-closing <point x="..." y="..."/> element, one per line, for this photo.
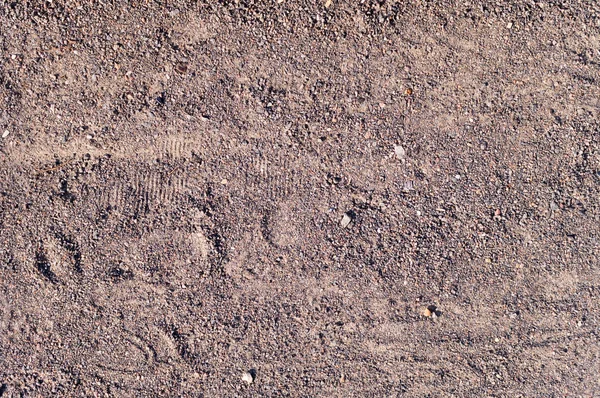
<point x="400" y="152"/>
<point x="346" y="220"/>
<point x="5" y="134"/>
<point x="247" y="377"/>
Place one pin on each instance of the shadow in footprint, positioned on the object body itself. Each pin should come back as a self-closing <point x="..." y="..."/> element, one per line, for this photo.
<point x="43" y="266"/>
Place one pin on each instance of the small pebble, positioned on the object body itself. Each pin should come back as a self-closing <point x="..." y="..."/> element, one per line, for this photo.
<point x="400" y="152"/>
<point x="346" y="220"/>
<point x="431" y="311"/>
<point x="248" y="378"/>
<point x="5" y="134"/>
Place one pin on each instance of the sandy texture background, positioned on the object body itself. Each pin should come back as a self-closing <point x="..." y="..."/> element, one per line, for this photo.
<point x="342" y="198"/>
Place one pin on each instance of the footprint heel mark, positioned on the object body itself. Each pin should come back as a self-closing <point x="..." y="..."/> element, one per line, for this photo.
<point x="131" y="354"/>
<point x="43" y="266"/>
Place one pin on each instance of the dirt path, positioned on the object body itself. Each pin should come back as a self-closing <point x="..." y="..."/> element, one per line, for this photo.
<point x="367" y="198"/>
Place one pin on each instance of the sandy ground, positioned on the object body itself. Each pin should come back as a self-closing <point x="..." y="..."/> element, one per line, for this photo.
<point x="279" y="198"/>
